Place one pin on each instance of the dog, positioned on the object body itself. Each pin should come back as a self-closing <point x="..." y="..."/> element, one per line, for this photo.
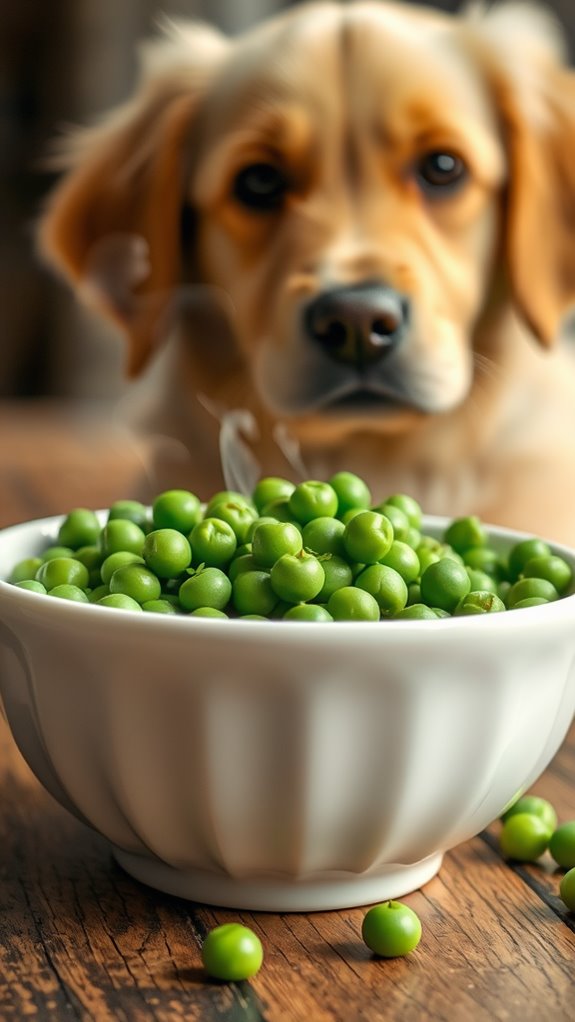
<point x="365" y="216"/>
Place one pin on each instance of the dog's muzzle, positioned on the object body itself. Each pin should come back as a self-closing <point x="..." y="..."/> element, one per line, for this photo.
<point x="357" y="325"/>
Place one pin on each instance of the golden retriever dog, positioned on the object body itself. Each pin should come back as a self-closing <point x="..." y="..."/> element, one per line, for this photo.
<point x="365" y="213"/>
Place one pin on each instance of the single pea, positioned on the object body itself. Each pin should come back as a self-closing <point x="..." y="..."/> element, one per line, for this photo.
<point x="297" y="577"/>
<point x="368" y="537"/>
<point x="280" y="511"/>
<point x="159" y="606"/>
<point x="524" y="837"/>
<point x="207" y="587"/>
<point x="252" y="593"/>
<point x="430" y="545"/>
<point x="115" y="561"/>
<point x="351" y="604"/>
<point x="324" y="536"/>
<point x="69" y="592"/>
<point x="337" y="574"/>
<point x="524" y="551"/>
<point x="352" y="492"/>
<point x="481" y="580"/>
<point x="247" y="548"/>
<point x="120" y="534"/>
<point x="535" y="806"/>
<point x="270" y="542"/>
<point x="176" y="509"/>
<point x="62" y="571"/>
<point x="79" y="528"/>
<point x="464" y="533"/>
<point x="413" y="594"/>
<point x="403" y="559"/>
<point x="442" y="613"/>
<point x="240" y="564"/>
<point x="239" y="515"/>
<point x="131" y="511"/>
<point x="208" y="612"/>
<point x="91" y="558"/>
<point x="256" y="617"/>
<point x="32" y="585"/>
<point x="313" y="499"/>
<point x="562" y="845"/>
<point x="136" y="581"/>
<point x="261" y="520"/>
<point x="409" y="506"/>
<point x="25" y="571"/>
<point x="271" y="488"/>
<point x="444" y="583"/>
<point x="98" y="593"/>
<point x="386" y="586"/>
<point x="167" y="552"/>
<point x="226" y="497"/>
<point x="426" y="557"/>
<point x="531" y="601"/>
<point x="553" y="569"/>
<point x="567" y="890"/>
<point x="348" y="515"/>
<point x="484" y="558"/>
<point x="525" y="588"/>
<point x="398" y="519"/>
<point x="119" y="601"/>
<point x="307" y="612"/>
<point x="213" y="543"/>
<point x="53" y="552"/>
<point x="416" y="612"/>
<point x="479" y="601"/>
<point x="391" y="930"/>
<point x="503" y="588"/>
<point x="413" y="538"/>
<point x="232" y="952"/>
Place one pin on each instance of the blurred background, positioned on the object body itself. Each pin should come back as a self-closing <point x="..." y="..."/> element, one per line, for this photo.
<point x="64" y="62"/>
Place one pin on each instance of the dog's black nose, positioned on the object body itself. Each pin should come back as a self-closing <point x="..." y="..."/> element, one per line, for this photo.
<point x="358" y="324"/>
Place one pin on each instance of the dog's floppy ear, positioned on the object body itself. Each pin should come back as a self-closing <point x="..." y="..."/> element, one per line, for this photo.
<point x="535" y="94"/>
<point x="112" y="226"/>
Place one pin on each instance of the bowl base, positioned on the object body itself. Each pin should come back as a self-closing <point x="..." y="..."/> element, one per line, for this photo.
<point x="339" y="890"/>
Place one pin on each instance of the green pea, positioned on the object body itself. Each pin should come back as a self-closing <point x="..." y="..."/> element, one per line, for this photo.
<point x="98" y="593"/>
<point x="176" y="509"/>
<point x="62" y="571"/>
<point x="413" y="594"/>
<point x="261" y="520"/>
<point x="464" y="533"/>
<point x="69" y="592"/>
<point x="416" y="612"/>
<point x="208" y="612"/>
<point x="32" y="585"/>
<point x="567" y="890"/>
<point x="337" y="574"/>
<point x="562" y="845"/>
<point x="531" y="601"/>
<point x="553" y="569"/>
<point x="213" y="543"/>
<point x="121" y="535"/>
<point x="535" y="806"/>
<point x="207" y="587"/>
<point x="159" y="606"/>
<point x="270" y="542"/>
<point x="297" y="577"/>
<point x="313" y="499"/>
<point x="167" y="552"/>
<point x="481" y="601"/>
<point x="391" y="930"/>
<point x="352" y="493"/>
<point x="403" y="559"/>
<point x="324" y="536"/>
<point x="232" y="952"/>
<point x="252" y="593"/>
<point x="386" y="586"/>
<point x="91" y="558"/>
<point x="269" y="489"/>
<point x="51" y="553"/>
<point x="119" y="601"/>
<point x="351" y="604"/>
<point x="526" y="588"/>
<point x="227" y="497"/>
<point x="79" y="528"/>
<point x="480" y="580"/>
<point x="523" y="552"/>
<point x="409" y="506"/>
<point x="444" y="583"/>
<point x="483" y="558"/>
<point x="136" y="581"/>
<point x="368" y="537"/>
<point x="398" y="519"/>
<point x="239" y="515"/>
<point x="307" y="612"/>
<point x="240" y="564"/>
<point x="25" y="571"/>
<point x="524" y="837"/>
<point x="117" y="560"/>
<point x="132" y="511"/>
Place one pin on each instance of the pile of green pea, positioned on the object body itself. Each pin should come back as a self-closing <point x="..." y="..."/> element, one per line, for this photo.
<point x="317" y="551"/>
<point x="530" y="828"/>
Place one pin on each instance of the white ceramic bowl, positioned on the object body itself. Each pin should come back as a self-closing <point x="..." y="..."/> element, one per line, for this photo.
<point x="282" y="766"/>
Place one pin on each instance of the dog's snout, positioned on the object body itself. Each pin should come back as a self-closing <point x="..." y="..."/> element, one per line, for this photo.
<point x="359" y="324"/>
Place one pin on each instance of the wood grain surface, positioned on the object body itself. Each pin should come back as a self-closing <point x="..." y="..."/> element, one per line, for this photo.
<point x="80" y="940"/>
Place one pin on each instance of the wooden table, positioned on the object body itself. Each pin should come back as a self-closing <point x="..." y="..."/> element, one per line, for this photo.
<point x="80" y="940"/>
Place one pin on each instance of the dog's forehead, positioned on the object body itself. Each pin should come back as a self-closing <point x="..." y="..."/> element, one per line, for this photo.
<point x="376" y="60"/>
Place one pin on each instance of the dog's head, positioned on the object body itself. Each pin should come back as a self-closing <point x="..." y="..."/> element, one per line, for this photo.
<point x="364" y="182"/>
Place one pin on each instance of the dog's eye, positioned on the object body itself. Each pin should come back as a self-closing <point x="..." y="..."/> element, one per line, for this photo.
<point x="439" y="171"/>
<point x="261" y="186"/>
